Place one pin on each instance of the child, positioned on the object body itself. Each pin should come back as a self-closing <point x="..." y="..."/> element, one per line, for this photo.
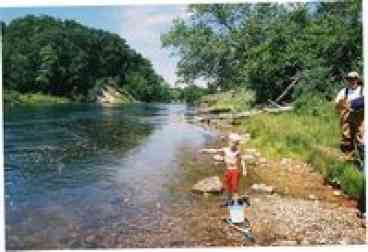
<point x="233" y="164"/>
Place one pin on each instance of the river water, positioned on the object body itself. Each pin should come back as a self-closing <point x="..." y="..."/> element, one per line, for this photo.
<point x="87" y="167"/>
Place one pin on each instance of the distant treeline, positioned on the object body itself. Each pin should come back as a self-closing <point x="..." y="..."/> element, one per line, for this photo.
<point x="64" y="58"/>
<point x="267" y="46"/>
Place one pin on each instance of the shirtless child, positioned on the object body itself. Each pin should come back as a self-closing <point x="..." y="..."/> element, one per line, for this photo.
<point x="233" y="164"/>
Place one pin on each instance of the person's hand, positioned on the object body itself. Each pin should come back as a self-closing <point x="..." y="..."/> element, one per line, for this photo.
<point x="343" y="105"/>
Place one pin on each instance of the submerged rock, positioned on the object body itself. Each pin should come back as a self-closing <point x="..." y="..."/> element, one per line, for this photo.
<point x="261" y="188"/>
<point x="208" y="185"/>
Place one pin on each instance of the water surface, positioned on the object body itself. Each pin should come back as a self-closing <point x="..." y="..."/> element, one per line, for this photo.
<point x="91" y="167"/>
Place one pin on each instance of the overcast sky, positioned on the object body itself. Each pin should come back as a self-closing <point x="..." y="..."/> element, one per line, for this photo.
<point x="141" y="26"/>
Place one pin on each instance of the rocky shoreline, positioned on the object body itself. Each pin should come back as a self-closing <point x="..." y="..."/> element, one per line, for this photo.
<point x="291" y="204"/>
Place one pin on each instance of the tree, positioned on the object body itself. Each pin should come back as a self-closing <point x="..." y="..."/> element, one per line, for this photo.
<point x="265" y="47"/>
<point x="65" y="58"/>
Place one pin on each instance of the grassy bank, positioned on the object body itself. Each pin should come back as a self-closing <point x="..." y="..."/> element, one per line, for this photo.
<point x="13" y="98"/>
<point x="234" y="100"/>
<point x="311" y="136"/>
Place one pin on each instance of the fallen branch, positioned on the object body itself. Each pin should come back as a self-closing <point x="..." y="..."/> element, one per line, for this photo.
<point x="286" y="91"/>
<point x="274" y="103"/>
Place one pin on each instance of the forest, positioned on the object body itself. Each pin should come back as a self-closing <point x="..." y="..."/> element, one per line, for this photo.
<point x="265" y="47"/>
<point x="42" y="54"/>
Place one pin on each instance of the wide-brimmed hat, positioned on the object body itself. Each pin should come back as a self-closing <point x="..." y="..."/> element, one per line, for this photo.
<point x="352" y="75"/>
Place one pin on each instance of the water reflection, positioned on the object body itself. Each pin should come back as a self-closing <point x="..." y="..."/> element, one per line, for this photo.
<point x="90" y="167"/>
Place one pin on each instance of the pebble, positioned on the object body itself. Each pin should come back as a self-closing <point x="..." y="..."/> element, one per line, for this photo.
<point x="90" y="238"/>
<point x="345" y="241"/>
<point x="323" y="241"/>
<point x="312" y="197"/>
<point x="337" y="193"/>
<point x="284" y="161"/>
<point x="304" y="243"/>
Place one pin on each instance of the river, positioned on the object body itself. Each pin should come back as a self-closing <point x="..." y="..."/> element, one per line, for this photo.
<point x="72" y="169"/>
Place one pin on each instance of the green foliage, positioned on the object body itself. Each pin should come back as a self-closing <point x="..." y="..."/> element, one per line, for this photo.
<point x="65" y="58"/>
<point x="311" y="135"/>
<point x="315" y="105"/>
<point x="13" y="97"/>
<point x="265" y="46"/>
<point x="234" y="100"/>
<point x="192" y="93"/>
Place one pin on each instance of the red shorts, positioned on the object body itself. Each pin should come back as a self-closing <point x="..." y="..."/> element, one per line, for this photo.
<point x="231" y="180"/>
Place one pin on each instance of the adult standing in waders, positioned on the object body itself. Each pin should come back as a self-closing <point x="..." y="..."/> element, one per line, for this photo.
<point x="350" y="105"/>
<point x="351" y="121"/>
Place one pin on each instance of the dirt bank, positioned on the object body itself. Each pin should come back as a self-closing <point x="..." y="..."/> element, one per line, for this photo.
<point x="303" y="210"/>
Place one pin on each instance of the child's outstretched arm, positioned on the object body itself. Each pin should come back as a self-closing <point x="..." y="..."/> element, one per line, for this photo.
<point x="212" y="151"/>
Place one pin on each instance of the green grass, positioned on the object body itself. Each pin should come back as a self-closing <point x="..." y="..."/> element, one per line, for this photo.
<point x="235" y="100"/>
<point x="311" y="137"/>
<point x="13" y="97"/>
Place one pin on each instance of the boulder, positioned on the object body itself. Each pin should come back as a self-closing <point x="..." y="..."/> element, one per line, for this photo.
<point x="261" y="188"/>
<point x="208" y="185"/>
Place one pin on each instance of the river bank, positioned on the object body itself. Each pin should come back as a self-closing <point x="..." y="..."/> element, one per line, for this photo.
<point x="104" y="94"/>
<point x="121" y="177"/>
<point x="303" y="209"/>
<point x="12" y="98"/>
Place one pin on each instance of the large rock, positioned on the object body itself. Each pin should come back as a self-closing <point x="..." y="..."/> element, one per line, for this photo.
<point x="208" y="185"/>
<point x="261" y="188"/>
<point x="112" y="94"/>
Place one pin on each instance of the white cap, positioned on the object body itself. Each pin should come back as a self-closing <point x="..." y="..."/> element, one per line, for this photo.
<point x="353" y="75"/>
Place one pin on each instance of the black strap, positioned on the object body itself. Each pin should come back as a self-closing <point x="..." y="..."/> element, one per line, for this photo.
<point x="346" y="92"/>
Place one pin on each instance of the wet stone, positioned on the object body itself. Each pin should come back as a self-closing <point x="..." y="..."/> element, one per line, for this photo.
<point x="208" y="185"/>
<point x="262" y="188"/>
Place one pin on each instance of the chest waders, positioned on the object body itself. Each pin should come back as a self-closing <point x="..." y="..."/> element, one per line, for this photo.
<point x="352" y="127"/>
